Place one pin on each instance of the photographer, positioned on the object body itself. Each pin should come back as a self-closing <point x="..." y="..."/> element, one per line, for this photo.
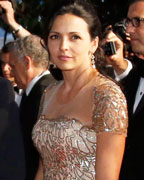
<point x="117" y="44"/>
<point x="7" y="14"/>
<point x="132" y="79"/>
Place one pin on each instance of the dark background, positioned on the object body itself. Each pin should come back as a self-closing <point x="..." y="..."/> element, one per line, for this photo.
<point x="32" y="13"/>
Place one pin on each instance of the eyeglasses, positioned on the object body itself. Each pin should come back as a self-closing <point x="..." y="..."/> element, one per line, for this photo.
<point x="135" y="21"/>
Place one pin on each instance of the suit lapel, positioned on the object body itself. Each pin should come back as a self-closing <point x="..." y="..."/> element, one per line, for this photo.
<point x="140" y="105"/>
<point x="131" y="94"/>
<point x="44" y="80"/>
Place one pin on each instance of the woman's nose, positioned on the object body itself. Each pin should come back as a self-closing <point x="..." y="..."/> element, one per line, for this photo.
<point x="64" y="45"/>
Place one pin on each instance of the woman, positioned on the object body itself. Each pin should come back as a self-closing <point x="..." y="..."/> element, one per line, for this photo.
<point x="82" y="127"/>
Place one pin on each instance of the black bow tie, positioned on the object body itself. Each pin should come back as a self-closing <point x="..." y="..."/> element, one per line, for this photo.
<point x="139" y="65"/>
<point x="23" y="100"/>
<point x="16" y="89"/>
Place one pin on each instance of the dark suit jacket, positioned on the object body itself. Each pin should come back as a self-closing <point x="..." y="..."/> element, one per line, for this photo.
<point x="12" y="165"/>
<point x="28" y="117"/>
<point x="132" y="166"/>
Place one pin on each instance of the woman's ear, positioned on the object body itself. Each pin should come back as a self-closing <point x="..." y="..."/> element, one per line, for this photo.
<point x="95" y="44"/>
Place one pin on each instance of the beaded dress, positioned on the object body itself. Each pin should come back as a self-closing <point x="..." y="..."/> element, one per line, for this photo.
<point x="66" y="134"/>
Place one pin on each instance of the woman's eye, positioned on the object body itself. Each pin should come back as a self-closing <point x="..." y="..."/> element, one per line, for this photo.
<point x="54" y="36"/>
<point x="75" y="37"/>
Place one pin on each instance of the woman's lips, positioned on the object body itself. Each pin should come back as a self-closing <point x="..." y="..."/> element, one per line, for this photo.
<point x="64" y="58"/>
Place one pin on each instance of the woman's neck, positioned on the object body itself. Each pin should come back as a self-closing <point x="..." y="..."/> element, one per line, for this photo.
<point x="74" y="82"/>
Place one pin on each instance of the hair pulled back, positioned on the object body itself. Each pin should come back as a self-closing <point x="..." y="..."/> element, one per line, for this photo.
<point x="87" y="11"/>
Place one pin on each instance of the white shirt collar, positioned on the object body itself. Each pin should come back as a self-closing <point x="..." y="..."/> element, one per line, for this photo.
<point x="34" y="80"/>
<point x="125" y="73"/>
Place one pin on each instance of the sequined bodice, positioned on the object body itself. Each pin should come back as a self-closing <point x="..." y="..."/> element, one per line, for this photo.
<point x="68" y="149"/>
<point x="67" y="146"/>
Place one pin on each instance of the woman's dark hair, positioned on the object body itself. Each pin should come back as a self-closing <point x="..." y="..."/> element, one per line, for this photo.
<point x="130" y="2"/>
<point x="82" y="9"/>
<point x="87" y="11"/>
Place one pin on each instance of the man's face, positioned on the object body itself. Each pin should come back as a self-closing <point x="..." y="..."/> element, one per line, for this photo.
<point x="6" y="69"/>
<point x="136" y="10"/>
<point x="18" y="70"/>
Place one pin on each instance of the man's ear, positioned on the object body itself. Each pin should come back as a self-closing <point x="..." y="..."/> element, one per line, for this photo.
<point x="28" y="62"/>
<point x="95" y="44"/>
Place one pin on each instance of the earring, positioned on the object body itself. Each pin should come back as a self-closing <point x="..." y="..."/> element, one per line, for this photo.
<point x="52" y="65"/>
<point x="93" y="61"/>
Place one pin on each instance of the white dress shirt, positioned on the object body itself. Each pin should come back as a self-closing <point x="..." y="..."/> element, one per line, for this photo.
<point x="18" y="96"/>
<point x="34" y="81"/>
<point x="139" y="94"/>
<point x="140" y="89"/>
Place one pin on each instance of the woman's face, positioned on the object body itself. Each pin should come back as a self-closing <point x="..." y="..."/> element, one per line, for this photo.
<point x="69" y="43"/>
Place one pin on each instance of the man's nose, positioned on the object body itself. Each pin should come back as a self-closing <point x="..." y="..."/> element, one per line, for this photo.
<point x="130" y="28"/>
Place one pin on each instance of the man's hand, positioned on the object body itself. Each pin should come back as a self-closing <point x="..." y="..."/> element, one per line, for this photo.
<point x="8" y="15"/>
<point x="9" y="18"/>
<point x="117" y="60"/>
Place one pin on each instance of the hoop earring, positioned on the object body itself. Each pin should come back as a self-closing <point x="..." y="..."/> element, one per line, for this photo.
<point x="93" y="61"/>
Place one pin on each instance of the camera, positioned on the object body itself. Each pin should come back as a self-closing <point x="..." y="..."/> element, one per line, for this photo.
<point x="109" y="48"/>
<point x="119" y="29"/>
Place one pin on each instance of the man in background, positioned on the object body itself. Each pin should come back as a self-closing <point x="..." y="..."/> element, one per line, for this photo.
<point x="6" y="71"/>
<point x="131" y="77"/>
<point x="29" y="64"/>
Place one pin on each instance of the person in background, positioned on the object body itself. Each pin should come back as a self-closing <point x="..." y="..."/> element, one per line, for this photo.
<point x="29" y="64"/>
<point x="82" y="122"/>
<point x="12" y="161"/>
<point x="6" y="71"/>
<point x="9" y="18"/>
<point x="131" y="76"/>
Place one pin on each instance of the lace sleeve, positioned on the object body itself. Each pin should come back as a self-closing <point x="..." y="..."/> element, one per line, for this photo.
<point x="110" y="110"/>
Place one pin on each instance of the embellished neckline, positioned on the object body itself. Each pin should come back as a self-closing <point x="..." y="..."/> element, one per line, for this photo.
<point x="63" y="118"/>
